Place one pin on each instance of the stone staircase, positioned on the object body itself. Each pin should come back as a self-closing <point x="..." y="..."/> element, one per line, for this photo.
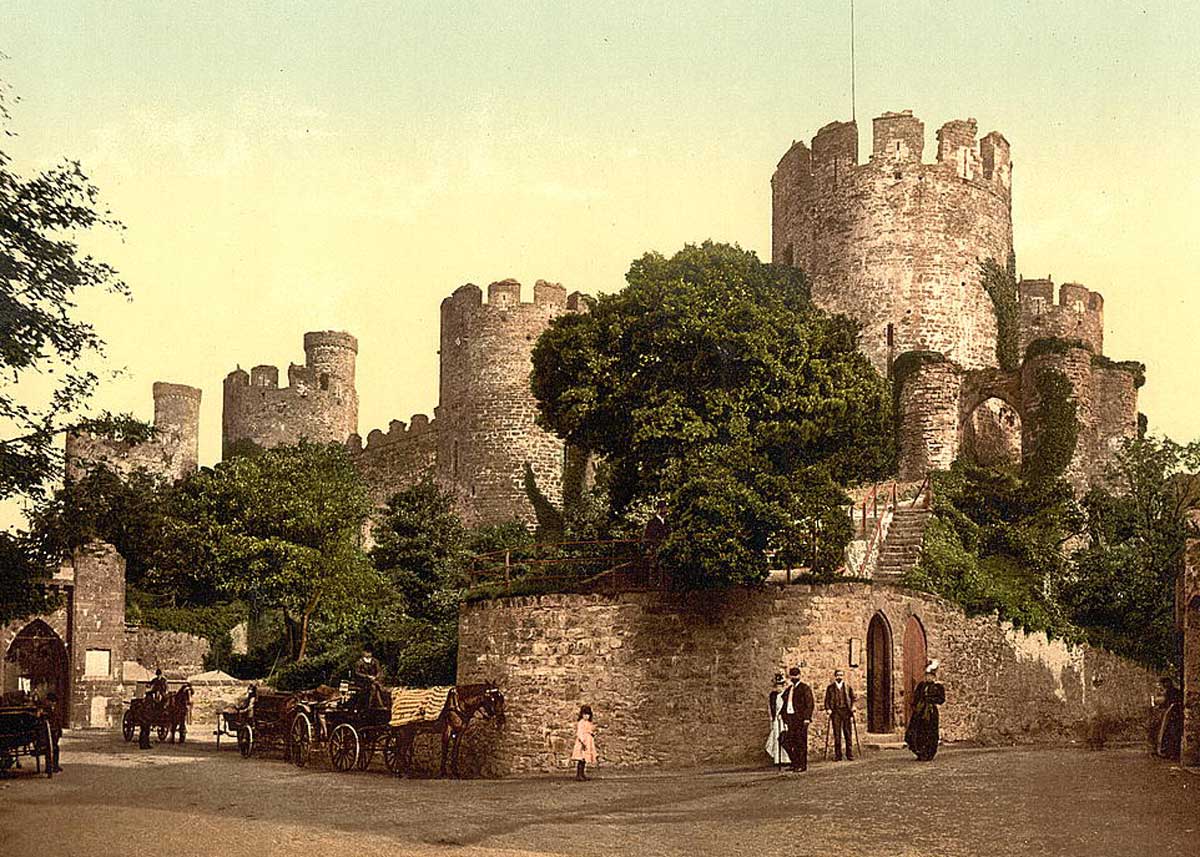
<point x="902" y="547"/>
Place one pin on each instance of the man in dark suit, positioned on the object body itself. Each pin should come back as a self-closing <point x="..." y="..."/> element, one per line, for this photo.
<point x="796" y="709"/>
<point x="839" y="704"/>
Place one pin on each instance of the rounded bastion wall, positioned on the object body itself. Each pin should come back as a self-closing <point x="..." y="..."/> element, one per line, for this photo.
<point x="897" y="243"/>
<point x="681" y="679"/>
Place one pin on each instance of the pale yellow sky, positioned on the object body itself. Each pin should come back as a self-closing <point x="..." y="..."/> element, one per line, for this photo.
<point x="291" y="167"/>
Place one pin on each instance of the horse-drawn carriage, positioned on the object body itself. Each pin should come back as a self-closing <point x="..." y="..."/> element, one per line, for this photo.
<point x="25" y="730"/>
<point x="262" y="723"/>
<point x="165" y="714"/>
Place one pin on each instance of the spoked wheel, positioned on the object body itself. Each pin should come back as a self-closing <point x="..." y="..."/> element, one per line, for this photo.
<point x="301" y="740"/>
<point x="127" y="726"/>
<point x="343" y="747"/>
<point x="365" y="754"/>
<point x="48" y="747"/>
<point x="245" y="739"/>
<point x="393" y="754"/>
<point x="162" y="733"/>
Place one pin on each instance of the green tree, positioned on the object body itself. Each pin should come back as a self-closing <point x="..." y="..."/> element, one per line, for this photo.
<point x="42" y="270"/>
<point x="713" y="380"/>
<point x="279" y="530"/>
<point x="1121" y="590"/>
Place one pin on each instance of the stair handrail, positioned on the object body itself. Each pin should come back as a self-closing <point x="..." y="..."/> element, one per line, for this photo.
<point x="926" y="487"/>
<point x="875" y="534"/>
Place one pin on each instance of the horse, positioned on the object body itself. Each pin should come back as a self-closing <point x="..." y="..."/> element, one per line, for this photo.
<point x="169" y="715"/>
<point x="463" y="702"/>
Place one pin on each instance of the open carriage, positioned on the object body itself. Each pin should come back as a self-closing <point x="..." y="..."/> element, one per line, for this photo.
<point x="166" y="716"/>
<point x="262" y="724"/>
<point x="25" y="731"/>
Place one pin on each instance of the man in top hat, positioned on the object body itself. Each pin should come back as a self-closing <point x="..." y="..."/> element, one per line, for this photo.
<point x="796" y="708"/>
<point x="839" y="705"/>
<point x="368" y="676"/>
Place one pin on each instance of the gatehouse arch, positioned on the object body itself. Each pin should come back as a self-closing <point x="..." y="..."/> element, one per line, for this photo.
<point x="36" y="661"/>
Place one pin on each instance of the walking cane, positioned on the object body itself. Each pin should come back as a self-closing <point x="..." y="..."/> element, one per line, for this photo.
<point x="854" y="726"/>
<point x="828" y="729"/>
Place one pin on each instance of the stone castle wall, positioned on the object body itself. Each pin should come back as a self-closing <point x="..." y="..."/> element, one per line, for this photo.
<point x="682" y="679"/>
<point x="98" y="625"/>
<point x="1078" y="315"/>
<point x="486" y="412"/>
<point x="398" y="458"/>
<point x="319" y="404"/>
<point x="177" y="654"/>
<point x="172" y="453"/>
<point x="896" y="243"/>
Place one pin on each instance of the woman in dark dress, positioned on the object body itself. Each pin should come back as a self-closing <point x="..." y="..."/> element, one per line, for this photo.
<point x="921" y="736"/>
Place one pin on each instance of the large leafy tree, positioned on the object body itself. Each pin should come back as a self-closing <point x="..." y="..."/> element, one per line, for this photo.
<point x="279" y="529"/>
<point x="1121" y="590"/>
<point x="713" y="380"/>
<point x="42" y="270"/>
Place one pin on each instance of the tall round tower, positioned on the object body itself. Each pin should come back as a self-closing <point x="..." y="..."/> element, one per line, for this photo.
<point x="896" y="243"/>
<point x="486" y="409"/>
<point x="177" y="413"/>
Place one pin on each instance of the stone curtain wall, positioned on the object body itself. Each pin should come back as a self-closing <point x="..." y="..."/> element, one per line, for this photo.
<point x="397" y="459"/>
<point x="177" y="654"/>
<point x="897" y="241"/>
<point x="1187" y="617"/>
<point x="320" y="402"/>
<point x="172" y="453"/>
<point x="678" y="680"/>
<point x="486" y="412"/>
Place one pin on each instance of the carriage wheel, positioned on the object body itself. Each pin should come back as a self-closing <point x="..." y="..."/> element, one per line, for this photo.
<point x="301" y="740"/>
<point x="365" y="754"/>
<point x="393" y="756"/>
<point x="127" y="726"/>
<point x="245" y="739"/>
<point x="49" y="748"/>
<point x="343" y="747"/>
<point x="162" y="733"/>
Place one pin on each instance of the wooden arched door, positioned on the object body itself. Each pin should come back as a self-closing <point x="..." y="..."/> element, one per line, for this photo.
<point x="915" y="658"/>
<point x="879" y="675"/>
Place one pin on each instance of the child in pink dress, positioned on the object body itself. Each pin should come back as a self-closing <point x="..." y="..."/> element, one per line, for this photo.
<point x="585" y="742"/>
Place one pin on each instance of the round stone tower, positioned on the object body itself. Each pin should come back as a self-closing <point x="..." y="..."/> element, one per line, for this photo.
<point x="896" y="243"/>
<point x="486" y="409"/>
<point x="177" y="413"/>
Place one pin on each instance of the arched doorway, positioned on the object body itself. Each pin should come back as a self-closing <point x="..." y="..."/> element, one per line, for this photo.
<point x="991" y="434"/>
<point x="915" y="658"/>
<point x="36" y="662"/>
<point x="879" y="675"/>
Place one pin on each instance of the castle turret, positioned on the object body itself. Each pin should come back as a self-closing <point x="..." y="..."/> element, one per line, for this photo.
<point x="177" y="412"/>
<point x="486" y="430"/>
<point x="319" y="404"/>
<point x="896" y="243"/>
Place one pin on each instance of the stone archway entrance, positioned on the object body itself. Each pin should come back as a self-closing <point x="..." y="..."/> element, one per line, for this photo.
<point x="36" y="661"/>
<point x="879" y="675"/>
<point x="991" y="434"/>
<point x="915" y="658"/>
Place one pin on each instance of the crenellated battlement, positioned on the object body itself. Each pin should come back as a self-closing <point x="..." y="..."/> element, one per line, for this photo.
<point x="505" y="295"/>
<point x="896" y="242"/>
<point x="1078" y="314"/>
<point x="319" y="403"/>
<point x="398" y="432"/>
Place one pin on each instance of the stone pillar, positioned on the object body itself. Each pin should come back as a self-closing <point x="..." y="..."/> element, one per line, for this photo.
<point x="1189" y="616"/>
<point x="98" y="636"/>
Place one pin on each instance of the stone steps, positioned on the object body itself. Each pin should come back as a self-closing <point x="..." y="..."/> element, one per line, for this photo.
<point x="902" y="547"/>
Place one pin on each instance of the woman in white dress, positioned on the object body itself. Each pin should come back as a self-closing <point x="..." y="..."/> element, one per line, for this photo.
<point x="778" y="755"/>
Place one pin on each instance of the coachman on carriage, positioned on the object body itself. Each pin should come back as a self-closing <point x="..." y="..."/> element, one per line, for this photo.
<point x="159" y="709"/>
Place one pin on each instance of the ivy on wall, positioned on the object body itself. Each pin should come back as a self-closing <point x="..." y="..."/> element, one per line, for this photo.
<point x="1053" y="345"/>
<point x="1133" y="367"/>
<point x="1001" y="285"/>
<point x="1056" y="429"/>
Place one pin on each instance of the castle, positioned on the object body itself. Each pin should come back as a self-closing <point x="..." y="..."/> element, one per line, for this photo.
<point x="897" y="244"/>
<point x="483" y="434"/>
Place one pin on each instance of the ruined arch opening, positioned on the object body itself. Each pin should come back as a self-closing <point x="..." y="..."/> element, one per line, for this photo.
<point x="991" y="434"/>
<point x="879" y="675"/>
<point x="36" y="662"/>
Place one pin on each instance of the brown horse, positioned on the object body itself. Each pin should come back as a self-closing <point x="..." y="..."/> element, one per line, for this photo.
<point x="168" y="715"/>
<point x="463" y="702"/>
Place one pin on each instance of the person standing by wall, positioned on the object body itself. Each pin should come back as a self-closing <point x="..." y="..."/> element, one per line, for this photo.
<point x="921" y="736"/>
<point x="796" y="710"/>
<point x="839" y="705"/>
<point x="54" y="716"/>
<point x="584" y="752"/>
<point x="774" y="749"/>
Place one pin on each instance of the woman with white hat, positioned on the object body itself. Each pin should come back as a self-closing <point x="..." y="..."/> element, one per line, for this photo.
<point x="921" y="736"/>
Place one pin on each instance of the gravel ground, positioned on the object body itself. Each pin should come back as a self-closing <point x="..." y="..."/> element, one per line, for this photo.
<point x="198" y="800"/>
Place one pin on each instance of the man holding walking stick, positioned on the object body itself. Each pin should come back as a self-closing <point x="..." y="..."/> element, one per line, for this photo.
<point x="839" y="705"/>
